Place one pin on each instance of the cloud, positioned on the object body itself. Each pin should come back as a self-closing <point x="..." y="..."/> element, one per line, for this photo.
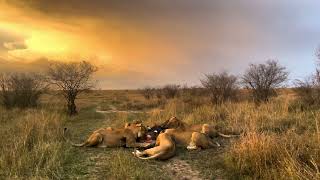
<point x="10" y="41"/>
<point x="171" y="40"/>
<point x="15" y="45"/>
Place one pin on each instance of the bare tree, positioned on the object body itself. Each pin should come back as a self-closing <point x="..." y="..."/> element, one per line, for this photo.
<point x="21" y="90"/>
<point x="262" y="79"/>
<point x="72" y="79"/>
<point x="221" y="87"/>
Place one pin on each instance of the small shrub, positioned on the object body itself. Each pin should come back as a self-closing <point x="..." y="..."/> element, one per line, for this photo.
<point x="308" y="92"/>
<point x="221" y="87"/>
<point x="147" y="92"/>
<point x="158" y="93"/>
<point x="21" y="90"/>
<point x="171" y="91"/>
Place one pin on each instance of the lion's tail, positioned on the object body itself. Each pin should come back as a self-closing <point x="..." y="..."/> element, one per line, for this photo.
<point x="70" y="142"/>
<point x="151" y="157"/>
<point x="228" y="135"/>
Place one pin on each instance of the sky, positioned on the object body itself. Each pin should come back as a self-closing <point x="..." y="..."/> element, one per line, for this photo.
<point x="156" y="42"/>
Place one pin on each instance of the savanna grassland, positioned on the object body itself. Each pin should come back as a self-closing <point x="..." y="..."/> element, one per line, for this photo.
<point x="279" y="139"/>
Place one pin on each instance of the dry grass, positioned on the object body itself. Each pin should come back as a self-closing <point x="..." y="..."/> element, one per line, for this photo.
<point x="31" y="145"/>
<point x="277" y="142"/>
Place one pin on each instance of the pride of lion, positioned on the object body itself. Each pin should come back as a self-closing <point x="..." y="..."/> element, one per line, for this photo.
<point x="158" y="142"/>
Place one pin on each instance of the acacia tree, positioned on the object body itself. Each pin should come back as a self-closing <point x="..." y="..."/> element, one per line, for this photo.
<point x="221" y="87"/>
<point x="72" y="79"/>
<point x="262" y="79"/>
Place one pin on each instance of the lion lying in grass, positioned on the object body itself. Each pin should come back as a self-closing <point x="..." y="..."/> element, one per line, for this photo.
<point x="192" y="140"/>
<point x="175" y="123"/>
<point x="164" y="149"/>
<point x="121" y="137"/>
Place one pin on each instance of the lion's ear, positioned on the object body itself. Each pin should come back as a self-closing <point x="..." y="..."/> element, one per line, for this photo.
<point x="173" y="117"/>
<point x="127" y="125"/>
<point x="136" y="122"/>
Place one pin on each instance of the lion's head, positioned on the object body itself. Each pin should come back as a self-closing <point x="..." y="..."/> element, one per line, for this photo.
<point x="137" y="128"/>
<point x="206" y="129"/>
<point x="174" y="123"/>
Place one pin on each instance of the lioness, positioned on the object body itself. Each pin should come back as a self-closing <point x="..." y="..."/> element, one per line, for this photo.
<point x="192" y="140"/>
<point x="175" y="123"/>
<point x="122" y="137"/>
<point x="201" y="141"/>
<point x="165" y="148"/>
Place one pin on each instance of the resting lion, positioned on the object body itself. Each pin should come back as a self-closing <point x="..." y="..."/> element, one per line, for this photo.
<point x="165" y="148"/>
<point x="175" y="123"/>
<point x="201" y="141"/>
<point x="122" y="137"/>
<point x="191" y="139"/>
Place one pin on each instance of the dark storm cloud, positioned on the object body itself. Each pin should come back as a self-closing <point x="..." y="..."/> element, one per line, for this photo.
<point x="202" y="36"/>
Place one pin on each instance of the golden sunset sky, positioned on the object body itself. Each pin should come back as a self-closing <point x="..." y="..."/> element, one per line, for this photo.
<point x="136" y="43"/>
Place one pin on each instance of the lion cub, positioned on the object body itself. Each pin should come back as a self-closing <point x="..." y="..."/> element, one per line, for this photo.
<point x="165" y="148"/>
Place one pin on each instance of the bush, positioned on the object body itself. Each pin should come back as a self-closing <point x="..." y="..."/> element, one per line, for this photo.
<point x="308" y="92"/>
<point x="221" y="87"/>
<point x="171" y="90"/>
<point x="21" y="90"/>
<point x="263" y="79"/>
<point x="147" y="92"/>
<point x="158" y="93"/>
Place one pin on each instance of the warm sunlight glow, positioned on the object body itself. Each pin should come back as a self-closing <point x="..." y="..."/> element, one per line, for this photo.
<point x="47" y="43"/>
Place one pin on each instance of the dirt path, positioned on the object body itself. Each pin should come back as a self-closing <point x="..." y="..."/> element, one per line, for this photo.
<point x="113" y="109"/>
<point x="96" y="166"/>
<point x="181" y="170"/>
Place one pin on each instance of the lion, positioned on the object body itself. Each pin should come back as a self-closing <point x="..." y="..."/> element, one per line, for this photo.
<point x="164" y="149"/>
<point x="191" y="139"/>
<point x="201" y="141"/>
<point x="121" y="137"/>
<point x="175" y="123"/>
